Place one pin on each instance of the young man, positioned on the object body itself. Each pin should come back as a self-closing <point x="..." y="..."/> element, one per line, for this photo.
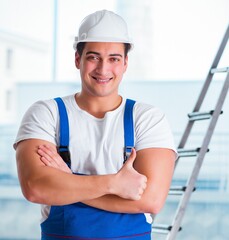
<point x="99" y="195"/>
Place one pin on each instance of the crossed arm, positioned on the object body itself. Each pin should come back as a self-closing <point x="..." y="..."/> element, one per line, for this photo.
<point x="157" y="165"/>
<point x="46" y="179"/>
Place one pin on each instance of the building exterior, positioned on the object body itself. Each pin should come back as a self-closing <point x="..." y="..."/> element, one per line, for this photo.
<point x="21" y="59"/>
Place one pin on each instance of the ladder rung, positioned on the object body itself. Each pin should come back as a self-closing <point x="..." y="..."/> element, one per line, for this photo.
<point x="162" y="228"/>
<point x="178" y="190"/>
<point x="219" y="70"/>
<point x="182" y="152"/>
<point x="195" y="116"/>
<point x="188" y="152"/>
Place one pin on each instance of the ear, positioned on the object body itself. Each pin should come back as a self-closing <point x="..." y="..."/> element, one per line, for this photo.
<point x="126" y="62"/>
<point x="77" y="60"/>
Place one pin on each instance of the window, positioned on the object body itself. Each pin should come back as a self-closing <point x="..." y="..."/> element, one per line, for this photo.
<point x="9" y="58"/>
<point x="8" y="103"/>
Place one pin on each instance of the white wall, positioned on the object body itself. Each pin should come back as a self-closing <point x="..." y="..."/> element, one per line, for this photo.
<point x="186" y="37"/>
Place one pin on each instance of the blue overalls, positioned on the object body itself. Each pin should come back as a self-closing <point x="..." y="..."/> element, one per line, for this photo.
<point x="81" y="222"/>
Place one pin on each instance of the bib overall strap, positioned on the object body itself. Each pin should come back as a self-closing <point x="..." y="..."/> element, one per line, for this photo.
<point x="63" y="148"/>
<point x="128" y="128"/>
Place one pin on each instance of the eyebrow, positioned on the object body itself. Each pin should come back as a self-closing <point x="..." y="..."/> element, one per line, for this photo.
<point x="112" y="55"/>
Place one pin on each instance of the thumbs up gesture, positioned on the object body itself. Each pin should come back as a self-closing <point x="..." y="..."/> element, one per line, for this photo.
<point x="129" y="184"/>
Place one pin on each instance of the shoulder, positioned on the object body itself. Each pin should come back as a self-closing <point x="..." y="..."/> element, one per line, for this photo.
<point x="40" y="121"/>
<point x="40" y="111"/>
<point x="47" y="107"/>
<point x="152" y="129"/>
<point x="147" y="112"/>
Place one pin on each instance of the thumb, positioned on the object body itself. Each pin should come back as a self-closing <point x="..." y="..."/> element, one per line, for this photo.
<point x="132" y="157"/>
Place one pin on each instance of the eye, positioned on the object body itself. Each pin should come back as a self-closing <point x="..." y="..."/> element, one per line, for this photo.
<point x="114" y="59"/>
<point x="92" y="58"/>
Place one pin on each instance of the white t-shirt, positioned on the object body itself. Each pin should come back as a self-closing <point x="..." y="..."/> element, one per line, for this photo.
<point x="96" y="144"/>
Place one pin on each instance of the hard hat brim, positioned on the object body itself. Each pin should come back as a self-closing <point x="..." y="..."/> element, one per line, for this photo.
<point x="112" y="40"/>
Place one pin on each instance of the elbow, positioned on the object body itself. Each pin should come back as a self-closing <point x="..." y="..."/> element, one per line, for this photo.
<point x="155" y="208"/>
<point x="152" y="206"/>
<point x="29" y="196"/>
<point x="30" y="192"/>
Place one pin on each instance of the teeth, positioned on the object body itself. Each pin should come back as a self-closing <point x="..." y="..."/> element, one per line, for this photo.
<point x="102" y="80"/>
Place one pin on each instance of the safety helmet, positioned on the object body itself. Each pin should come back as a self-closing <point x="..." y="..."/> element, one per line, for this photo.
<point x="103" y="26"/>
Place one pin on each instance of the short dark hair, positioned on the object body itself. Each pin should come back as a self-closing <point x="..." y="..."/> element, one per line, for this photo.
<point x="80" y="47"/>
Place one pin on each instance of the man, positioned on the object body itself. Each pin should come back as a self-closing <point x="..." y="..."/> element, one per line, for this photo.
<point x="104" y="198"/>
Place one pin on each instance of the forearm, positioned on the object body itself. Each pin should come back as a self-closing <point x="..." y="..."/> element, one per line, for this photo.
<point x="54" y="187"/>
<point x="47" y="185"/>
<point x="117" y="204"/>
<point x="150" y="202"/>
<point x="159" y="171"/>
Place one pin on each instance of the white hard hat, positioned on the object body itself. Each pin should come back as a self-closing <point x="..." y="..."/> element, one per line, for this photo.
<point x="103" y="26"/>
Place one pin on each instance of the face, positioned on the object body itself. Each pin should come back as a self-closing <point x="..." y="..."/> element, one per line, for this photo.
<point x="101" y="66"/>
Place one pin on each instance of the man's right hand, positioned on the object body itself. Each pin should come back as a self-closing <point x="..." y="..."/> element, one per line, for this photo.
<point x="129" y="184"/>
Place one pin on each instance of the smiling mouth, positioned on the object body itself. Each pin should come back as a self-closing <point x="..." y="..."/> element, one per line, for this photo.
<point x="102" y="80"/>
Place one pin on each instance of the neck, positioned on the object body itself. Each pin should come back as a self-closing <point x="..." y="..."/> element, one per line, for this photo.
<point x="98" y="106"/>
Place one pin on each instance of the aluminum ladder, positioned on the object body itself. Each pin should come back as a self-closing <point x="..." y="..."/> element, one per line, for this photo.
<point x="186" y="191"/>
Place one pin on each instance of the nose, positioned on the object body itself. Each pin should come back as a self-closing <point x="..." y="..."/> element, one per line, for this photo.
<point x="102" y="68"/>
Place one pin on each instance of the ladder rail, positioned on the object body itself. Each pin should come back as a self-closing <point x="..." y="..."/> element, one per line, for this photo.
<point x="191" y="182"/>
<point x="210" y="75"/>
<point x="200" y="153"/>
<point x="204" y="90"/>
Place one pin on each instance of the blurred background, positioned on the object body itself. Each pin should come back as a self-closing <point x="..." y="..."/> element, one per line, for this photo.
<point x="175" y="42"/>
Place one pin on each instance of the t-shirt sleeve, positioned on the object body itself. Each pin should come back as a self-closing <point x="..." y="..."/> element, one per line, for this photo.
<point x="152" y="129"/>
<point x="39" y="122"/>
